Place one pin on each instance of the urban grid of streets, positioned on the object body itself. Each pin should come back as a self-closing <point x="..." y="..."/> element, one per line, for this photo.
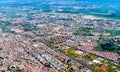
<point x="47" y="43"/>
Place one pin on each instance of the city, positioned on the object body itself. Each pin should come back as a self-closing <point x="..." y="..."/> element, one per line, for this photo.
<point x="58" y="42"/>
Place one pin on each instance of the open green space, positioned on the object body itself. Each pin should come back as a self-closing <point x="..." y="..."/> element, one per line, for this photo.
<point x="108" y="46"/>
<point x="90" y="57"/>
<point x="113" y="32"/>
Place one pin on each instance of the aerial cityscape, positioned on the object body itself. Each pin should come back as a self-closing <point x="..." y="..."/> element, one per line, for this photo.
<point x="59" y="36"/>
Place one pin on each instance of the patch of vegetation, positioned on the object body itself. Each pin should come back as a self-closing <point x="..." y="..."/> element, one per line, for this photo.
<point x="18" y="70"/>
<point x="108" y="46"/>
<point x="71" y="51"/>
<point x="70" y="70"/>
<point x="90" y="57"/>
<point x="110" y="65"/>
<point x="113" y="32"/>
<point x="105" y="67"/>
<point x="84" y="31"/>
<point x="100" y="68"/>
